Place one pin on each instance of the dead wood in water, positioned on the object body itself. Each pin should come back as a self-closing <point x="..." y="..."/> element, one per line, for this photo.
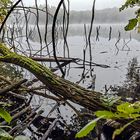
<point x="58" y="86"/>
<point x="63" y="89"/>
<point x="52" y="59"/>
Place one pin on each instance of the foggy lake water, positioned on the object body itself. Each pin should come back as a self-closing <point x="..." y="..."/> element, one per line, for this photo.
<point x="104" y="51"/>
<point x="97" y="63"/>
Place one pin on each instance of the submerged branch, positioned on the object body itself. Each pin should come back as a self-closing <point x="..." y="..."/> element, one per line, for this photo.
<point x="55" y="84"/>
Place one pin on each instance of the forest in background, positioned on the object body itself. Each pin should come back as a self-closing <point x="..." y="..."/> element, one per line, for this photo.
<point x="109" y="15"/>
<point x="16" y="48"/>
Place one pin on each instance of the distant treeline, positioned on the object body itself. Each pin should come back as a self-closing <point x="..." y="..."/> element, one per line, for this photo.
<point x="110" y="15"/>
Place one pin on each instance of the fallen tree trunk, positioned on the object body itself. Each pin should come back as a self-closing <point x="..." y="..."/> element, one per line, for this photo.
<point x="60" y="87"/>
<point x="65" y="89"/>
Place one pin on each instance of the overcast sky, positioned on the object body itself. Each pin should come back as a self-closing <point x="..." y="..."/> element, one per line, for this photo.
<point x="82" y="4"/>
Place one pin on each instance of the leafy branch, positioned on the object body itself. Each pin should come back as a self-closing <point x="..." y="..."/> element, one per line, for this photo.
<point x="124" y="111"/>
<point x="135" y="21"/>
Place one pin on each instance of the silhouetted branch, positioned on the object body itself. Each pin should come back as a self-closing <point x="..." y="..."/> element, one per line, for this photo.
<point x="110" y="32"/>
<point x="89" y="35"/>
<point x="8" y="14"/>
<point x="54" y="35"/>
<point x="116" y="44"/>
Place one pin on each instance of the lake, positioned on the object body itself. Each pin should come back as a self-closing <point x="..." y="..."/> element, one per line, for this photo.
<point x="115" y="52"/>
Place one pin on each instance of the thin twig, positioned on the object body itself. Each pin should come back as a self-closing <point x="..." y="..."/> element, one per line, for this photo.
<point x="53" y="36"/>
<point x="8" y="14"/>
<point x="89" y="35"/>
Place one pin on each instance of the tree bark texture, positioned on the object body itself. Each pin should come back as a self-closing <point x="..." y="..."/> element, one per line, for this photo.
<point x="65" y="89"/>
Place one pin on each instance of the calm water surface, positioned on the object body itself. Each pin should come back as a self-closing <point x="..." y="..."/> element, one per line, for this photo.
<point x="104" y="51"/>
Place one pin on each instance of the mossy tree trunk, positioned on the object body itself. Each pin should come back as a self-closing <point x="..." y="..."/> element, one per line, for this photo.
<point x="65" y="89"/>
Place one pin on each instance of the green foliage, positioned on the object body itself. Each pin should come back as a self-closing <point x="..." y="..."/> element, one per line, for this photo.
<point x="130" y="3"/>
<point x="132" y="24"/>
<point x="3" y="9"/>
<point x="124" y="111"/>
<point x="3" y="104"/>
<point x="106" y="114"/>
<point x="135" y="21"/>
<point x="88" y="128"/>
<point x="5" y="115"/>
<point x="120" y="130"/>
<point x="109" y="100"/>
<point x="4" y="135"/>
<point x="125" y="108"/>
<point x="129" y="91"/>
<point x="132" y="73"/>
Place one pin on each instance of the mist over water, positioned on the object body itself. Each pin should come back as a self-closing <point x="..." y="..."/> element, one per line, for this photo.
<point x="111" y="52"/>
